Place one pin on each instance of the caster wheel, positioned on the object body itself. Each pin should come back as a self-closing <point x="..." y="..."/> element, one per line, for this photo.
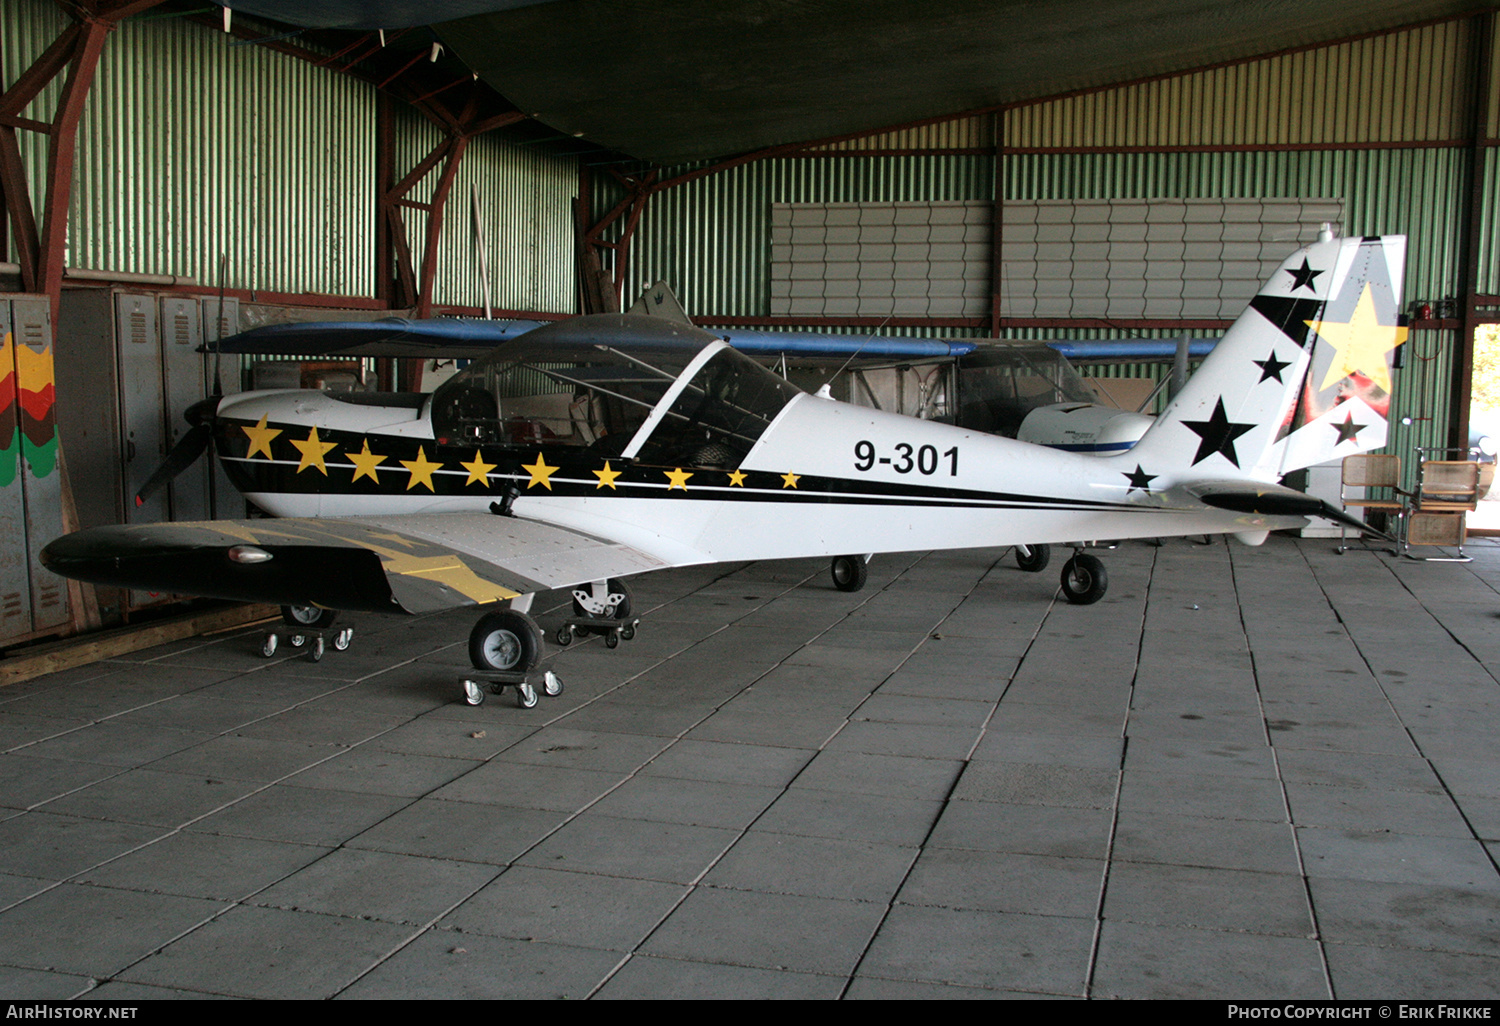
<point x="342" y="638"/>
<point x="473" y="693"/>
<point x="525" y="696"/>
<point x="627" y="633"/>
<point x="615" y="606"/>
<point x="308" y="616"/>
<point x="297" y="640"/>
<point x="1033" y="558"/>
<point x="1084" y="580"/>
<point x="849" y="573"/>
<point x="315" y="651"/>
<point x="268" y="647"/>
<point x="612" y="639"/>
<point x="565" y="635"/>
<point x="505" y="640"/>
<point x="552" y="685"/>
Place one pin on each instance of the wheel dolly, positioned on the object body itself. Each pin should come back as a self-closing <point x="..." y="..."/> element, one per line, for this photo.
<point x="527" y="684"/>
<point x="316" y="638"/>
<point x="614" y="630"/>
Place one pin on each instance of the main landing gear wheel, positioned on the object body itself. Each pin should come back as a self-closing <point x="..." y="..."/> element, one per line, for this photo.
<point x="849" y="572"/>
<point x="308" y="616"/>
<point x="506" y="640"/>
<point x="1033" y="558"/>
<point x="1084" y="580"/>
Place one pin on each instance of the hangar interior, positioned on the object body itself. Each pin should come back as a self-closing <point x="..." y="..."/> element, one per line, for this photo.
<point x="1270" y="775"/>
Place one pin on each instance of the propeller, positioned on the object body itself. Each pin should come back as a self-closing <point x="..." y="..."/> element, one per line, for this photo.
<point x="188" y="448"/>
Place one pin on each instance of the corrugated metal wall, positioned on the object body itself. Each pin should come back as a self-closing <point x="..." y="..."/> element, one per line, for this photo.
<point x="192" y="146"/>
<point x="526" y="214"/>
<point x="1398" y="88"/>
<point x="710" y="238"/>
<point x="1379" y="122"/>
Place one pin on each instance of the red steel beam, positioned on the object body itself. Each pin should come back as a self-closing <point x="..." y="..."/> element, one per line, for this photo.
<point x="54" y="235"/>
<point x="455" y="154"/>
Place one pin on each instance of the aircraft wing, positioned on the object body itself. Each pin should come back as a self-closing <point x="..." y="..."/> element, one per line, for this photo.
<point x="414" y="563"/>
<point x="451" y="338"/>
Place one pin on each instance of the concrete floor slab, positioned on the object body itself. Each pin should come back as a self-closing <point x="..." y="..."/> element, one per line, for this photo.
<point x="564" y="907"/>
<point x="1245" y="772"/>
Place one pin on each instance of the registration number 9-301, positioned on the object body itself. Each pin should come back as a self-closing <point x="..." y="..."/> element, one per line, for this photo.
<point x="904" y="458"/>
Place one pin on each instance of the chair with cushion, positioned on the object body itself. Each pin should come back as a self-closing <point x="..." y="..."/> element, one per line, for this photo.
<point x="1446" y="491"/>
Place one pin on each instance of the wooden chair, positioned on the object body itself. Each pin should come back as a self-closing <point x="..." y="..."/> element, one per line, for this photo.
<point x="1446" y="491"/>
<point x="1368" y="470"/>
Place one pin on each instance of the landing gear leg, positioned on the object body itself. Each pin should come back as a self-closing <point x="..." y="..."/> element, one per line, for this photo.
<point x="602" y="607"/>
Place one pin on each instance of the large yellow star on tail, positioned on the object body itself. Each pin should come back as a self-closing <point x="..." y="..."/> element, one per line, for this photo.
<point x="1360" y="344"/>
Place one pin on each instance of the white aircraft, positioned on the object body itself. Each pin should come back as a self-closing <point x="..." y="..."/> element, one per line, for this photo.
<point x="594" y="448"/>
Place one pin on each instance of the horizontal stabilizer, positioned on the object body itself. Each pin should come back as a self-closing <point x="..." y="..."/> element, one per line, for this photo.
<point x="1276" y="500"/>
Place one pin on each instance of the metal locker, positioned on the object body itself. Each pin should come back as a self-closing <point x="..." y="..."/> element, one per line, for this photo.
<point x="31" y="326"/>
<point x="183" y="377"/>
<point x="15" y="576"/>
<point x="225" y="500"/>
<point x="143" y="439"/>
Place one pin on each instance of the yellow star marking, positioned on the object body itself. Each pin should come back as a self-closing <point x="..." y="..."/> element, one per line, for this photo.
<point x="260" y="437"/>
<point x="606" y="476"/>
<point x="1361" y="343"/>
<point x="313" y="452"/>
<point x="678" y="477"/>
<point x="790" y="480"/>
<point x="479" y="471"/>
<point x="421" y="470"/>
<point x="737" y="478"/>
<point x="540" y="472"/>
<point x="365" y="463"/>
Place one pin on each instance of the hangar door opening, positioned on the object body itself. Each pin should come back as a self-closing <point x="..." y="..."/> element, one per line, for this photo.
<point x="1484" y="419"/>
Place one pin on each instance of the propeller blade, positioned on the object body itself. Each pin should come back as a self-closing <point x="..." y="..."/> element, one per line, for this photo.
<point x="182" y="456"/>
<point x="186" y="451"/>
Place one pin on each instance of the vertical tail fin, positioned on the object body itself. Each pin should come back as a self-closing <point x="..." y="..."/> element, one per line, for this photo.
<point x="1303" y="376"/>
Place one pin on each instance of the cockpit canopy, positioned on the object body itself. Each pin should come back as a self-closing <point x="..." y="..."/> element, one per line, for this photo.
<point x="622" y="385"/>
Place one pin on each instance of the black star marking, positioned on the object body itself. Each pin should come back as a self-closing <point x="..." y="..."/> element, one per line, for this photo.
<point x="1303" y="276"/>
<point x="1348" y="429"/>
<point x="1289" y="314"/>
<point x="1271" y="367"/>
<point x="1217" y="434"/>
<point x="1140" y="479"/>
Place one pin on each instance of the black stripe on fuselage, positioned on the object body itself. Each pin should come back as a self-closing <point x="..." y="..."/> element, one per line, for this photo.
<point x="568" y="475"/>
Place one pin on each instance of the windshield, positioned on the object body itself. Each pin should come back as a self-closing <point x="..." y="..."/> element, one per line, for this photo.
<point x="719" y="415"/>
<point x="998" y="386"/>
<point x="589" y="381"/>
